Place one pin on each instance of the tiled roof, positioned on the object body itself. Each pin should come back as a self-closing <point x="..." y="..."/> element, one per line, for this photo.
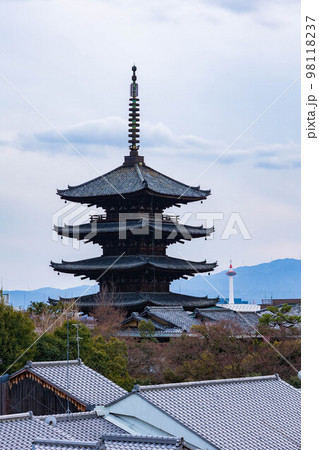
<point x="17" y="431"/>
<point x="85" y="385"/>
<point x="259" y="413"/>
<point x="129" y="179"/>
<point x="58" y="444"/>
<point x="135" y="316"/>
<point x="247" y="320"/>
<point x="85" y="426"/>
<point x="143" y="299"/>
<point x="73" y="432"/>
<point x="176" y="315"/>
<point x="92" y="230"/>
<point x="241" y="307"/>
<point x="132" y="262"/>
<point x="113" y="442"/>
<point x="142" y="442"/>
<point x="167" y="333"/>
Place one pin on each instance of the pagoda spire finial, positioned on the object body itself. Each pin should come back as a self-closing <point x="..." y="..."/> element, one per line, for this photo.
<point x="134" y="124"/>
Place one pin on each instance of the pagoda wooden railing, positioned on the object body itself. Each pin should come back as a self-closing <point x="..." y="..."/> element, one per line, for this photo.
<point x="109" y="217"/>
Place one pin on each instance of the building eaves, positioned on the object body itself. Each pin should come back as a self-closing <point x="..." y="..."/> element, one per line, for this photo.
<point x="132" y="262"/>
<point x="126" y="180"/>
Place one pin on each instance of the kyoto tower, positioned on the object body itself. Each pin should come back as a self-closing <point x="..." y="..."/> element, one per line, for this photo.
<point x="231" y="273"/>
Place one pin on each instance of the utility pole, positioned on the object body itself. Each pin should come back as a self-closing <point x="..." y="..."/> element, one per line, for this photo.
<point x="67" y="364"/>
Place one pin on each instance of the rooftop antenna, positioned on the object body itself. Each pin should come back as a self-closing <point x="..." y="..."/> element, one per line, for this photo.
<point x="76" y="325"/>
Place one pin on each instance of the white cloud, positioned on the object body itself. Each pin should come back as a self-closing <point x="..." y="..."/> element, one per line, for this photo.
<point x="206" y="70"/>
<point x="95" y="136"/>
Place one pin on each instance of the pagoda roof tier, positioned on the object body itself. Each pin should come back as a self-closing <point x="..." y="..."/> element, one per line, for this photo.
<point x="139" y="300"/>
<point x="131" y="179"/>
<point x="115" y="263"/>
<point x="164" y="229"/>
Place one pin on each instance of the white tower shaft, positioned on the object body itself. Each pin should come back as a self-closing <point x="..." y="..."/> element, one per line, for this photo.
<point x="231" y="290"/>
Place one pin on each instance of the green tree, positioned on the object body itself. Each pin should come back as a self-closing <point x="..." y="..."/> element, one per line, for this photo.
<point x="147" y="330"/>
<point x="278" y="316"/>
<point x="38" y="308"/>
<point x="111" y="360"/>
<point x="108" y="358"/>
<point x="16" y="335"/>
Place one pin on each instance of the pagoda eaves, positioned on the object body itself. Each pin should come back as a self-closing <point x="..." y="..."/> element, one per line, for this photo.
<point x="134" y="180"/>
<point x="135" y="266"/>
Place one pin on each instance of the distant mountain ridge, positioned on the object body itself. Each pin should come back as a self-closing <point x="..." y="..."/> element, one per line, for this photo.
<point x="278" y="279"/>
<point x="24" y="298"/>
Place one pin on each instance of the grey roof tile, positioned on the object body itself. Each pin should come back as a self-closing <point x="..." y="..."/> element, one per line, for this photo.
<point x="247" y="320"/>
<point x="127" y="179"/>
<point x="113" y="442"/>
<point x="167" y="333"/>
<point x="94" y="229"/>
<point x="176" y="315"/>
<point x="73" y="432"/>
<point x="48" y="444"/>
<point x="259" y="413"/>
<point x="131" y="262"/>
<point x="85" y="384"/>
<point x="142" y="442"/>
<point x="85" y="426"/>
<point x="17" y="431"/>
<point x="143" y="299"/>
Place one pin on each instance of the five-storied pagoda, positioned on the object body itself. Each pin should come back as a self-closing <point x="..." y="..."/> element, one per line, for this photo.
<point x="134" y="270"/>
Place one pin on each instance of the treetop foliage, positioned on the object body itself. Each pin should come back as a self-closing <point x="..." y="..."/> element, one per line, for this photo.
<point x="278" y="316"/>
<point x="16" y="335"/>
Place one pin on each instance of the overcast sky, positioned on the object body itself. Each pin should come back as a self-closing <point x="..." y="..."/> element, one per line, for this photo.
<point x="206" y="71"/>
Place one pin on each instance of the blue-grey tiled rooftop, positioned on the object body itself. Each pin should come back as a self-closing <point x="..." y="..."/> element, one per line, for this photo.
<point x="134" y="261"/>
<point x="132" y="299"/>
<point x="247" y="320"/>
<point x="259" y="413"/>
<point x="93" y="228"/>
<point x="128" y="179"/>
<point x="114" y="443"/>
<point x="17" y="431"/>
<point x="176" y="315"/>
<point x="85" y="426"/>
<point x="85" y="384"/>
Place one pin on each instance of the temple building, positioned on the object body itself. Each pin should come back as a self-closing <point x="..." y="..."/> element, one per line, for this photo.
<point x="134" y="271"/>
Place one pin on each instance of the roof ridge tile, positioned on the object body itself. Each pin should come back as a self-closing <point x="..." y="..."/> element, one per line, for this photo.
<point x="209" y="382"/>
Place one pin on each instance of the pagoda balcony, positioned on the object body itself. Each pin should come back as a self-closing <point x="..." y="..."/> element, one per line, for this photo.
<point x="170" y="218"/>
<point x="98" y="218"/>
<point x="167" y="218"/>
